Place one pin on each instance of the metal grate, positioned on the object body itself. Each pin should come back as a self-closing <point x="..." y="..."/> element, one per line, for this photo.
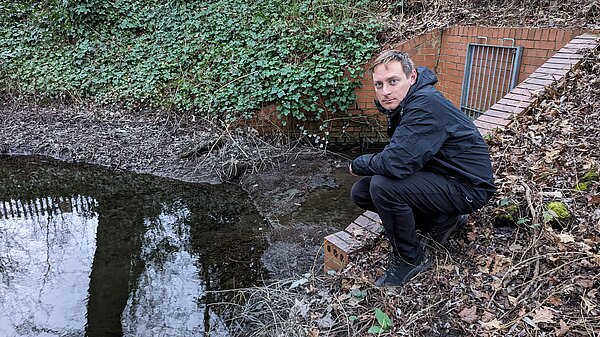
<point x="490" y="73"/>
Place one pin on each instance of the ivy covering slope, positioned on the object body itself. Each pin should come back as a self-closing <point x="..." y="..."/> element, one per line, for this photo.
<point x="226" y="58"/>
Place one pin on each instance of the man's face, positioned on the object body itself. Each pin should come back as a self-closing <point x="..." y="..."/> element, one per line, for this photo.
<point x="391" y="84"/>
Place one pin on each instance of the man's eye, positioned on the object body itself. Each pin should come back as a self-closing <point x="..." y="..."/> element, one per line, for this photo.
<point x="378" y="85"/>
<point x="393" y="82"/>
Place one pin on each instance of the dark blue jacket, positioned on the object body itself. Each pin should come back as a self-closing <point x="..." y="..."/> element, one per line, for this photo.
<point x="429" y="133"/>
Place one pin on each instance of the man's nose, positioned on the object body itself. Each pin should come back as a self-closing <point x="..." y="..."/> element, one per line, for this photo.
<point x="386" y="89"/>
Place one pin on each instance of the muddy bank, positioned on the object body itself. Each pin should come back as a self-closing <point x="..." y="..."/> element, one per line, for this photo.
<point x="142" y="143"/>
<point x="302" y="192"/>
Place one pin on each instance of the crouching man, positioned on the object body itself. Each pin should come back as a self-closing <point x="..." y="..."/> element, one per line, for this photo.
<point x="435" y="170"/>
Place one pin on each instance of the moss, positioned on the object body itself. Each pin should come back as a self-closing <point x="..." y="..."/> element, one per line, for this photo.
<point x="510" y="212"/>
<point x="507" y="214"/>
<point x="559" y="208"/>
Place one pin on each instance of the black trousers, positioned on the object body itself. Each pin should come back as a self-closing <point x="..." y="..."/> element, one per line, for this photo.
<point x="420" y="201"/>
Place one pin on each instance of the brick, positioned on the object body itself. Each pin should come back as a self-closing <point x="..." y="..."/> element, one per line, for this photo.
<point x="530" y="86"/>
<point x="494" y="120"/>
<point x="564" y="61"/>
<point x="529" y="44"/>
<point x="580" y="40"/>
<point x="544" y="83"/>
<point x="363" y="221"/>
<point x="515" y="103"/>
<point x="569" y="50"/>
<point x="354" y="244"/>
<point x="560" y="35"/>
<point x="589" y="36"/>
<point x="519" y="97"/>
<point x="372" y="215"/>
<point x="555" y="73"/>
<point x="499" y="114"/>
<point x="372" y="231"/>
<point x="335" y="256"/>
<point x="506" y="108"/>
<point x="340" y="246"/>
<point x="545" y="76"/>
<point x="484" y="132"/>
<point x="550" y="64"/>
<point x="521" y="33"/>
<point x="545" y="35"/>
<point x="561" y="55"/>
<point x="521" y="91"/>
<point x="485" y="125"/>
<point x="577" y="46"/>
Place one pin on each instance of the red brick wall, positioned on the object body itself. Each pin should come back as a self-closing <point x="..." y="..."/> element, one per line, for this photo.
<point x="539" y="44"/>
<point x="444" y="52"/>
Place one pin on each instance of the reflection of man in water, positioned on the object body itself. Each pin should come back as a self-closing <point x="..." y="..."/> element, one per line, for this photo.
<point x="435" y="170"/>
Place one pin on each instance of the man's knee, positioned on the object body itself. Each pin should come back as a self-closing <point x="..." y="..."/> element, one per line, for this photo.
<point x="382" y="190"/>
<point x="360" y="192"/>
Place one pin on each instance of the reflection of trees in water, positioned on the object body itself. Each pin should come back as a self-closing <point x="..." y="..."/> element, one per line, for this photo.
<point x="47" y="283"/>
<point x="159" y="246"/>
<point x="168" y="297"/>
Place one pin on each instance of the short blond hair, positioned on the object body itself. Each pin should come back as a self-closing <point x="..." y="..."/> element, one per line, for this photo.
<point x="394" y="55"/>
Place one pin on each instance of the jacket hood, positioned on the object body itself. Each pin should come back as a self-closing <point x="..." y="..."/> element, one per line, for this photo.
<point x="425" y="77"/>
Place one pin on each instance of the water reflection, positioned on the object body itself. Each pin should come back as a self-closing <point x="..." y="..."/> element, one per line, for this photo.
<point x="48" y="260"/>
<point x="83" y="252"/>
<point x="155" y="310"/>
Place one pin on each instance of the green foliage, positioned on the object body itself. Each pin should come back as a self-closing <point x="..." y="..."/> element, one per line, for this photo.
<point x="588" y="177"/>
<point x="556" y="210"/>
<point x="226" y="58"/>
<point x="384" y="322"/>
<point x="509" y="210"/>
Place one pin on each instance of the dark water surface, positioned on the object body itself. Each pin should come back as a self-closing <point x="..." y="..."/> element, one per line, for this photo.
<point x="97" y="253"/>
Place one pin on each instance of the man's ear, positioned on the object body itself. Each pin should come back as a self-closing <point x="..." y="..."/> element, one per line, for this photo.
<point x="413" y="77"/>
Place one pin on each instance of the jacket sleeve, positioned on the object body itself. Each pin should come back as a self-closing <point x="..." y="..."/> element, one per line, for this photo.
<point x="417" y="138"/>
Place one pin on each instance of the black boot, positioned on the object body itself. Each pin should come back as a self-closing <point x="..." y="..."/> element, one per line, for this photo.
<point x="443" y="230"/>
<point x="400" y="271"/>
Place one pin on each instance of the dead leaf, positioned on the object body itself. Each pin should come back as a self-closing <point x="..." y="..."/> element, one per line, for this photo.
<point x="487" y="316"/>
<point x="564" y="328"/>
<point x="493" y="324"/>
<point x="583" y="282"/>
<point x="495" y="264"/>
<point x="314" y="332"/>
<point x="469" y="314"/>
<point x="543" y="315"/>
<point x="554" y="300"/>
<point x="565" y="238"/>
<point x="594" y="199"/>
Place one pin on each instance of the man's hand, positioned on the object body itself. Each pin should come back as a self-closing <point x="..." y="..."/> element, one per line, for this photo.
<point x="350" y="169"/>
